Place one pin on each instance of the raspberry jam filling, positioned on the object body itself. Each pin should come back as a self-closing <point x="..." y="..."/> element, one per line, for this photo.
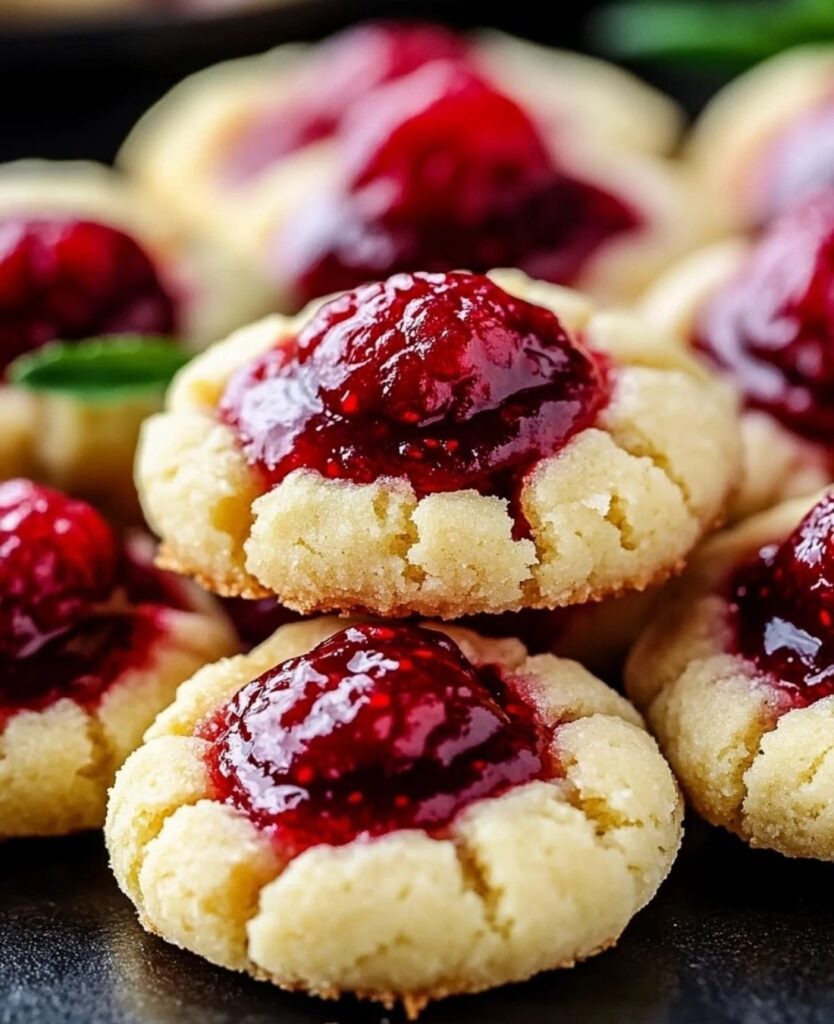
<point x="341" y="72"/>
<point x="798" y="163"/>
<point x="68" y="279"/>
<point x="783" y="609"/>
<point x="63" y="632"/>
<point x="443" y="171"/>
<point x="379" y="728"/>
<point x="442" y="379"/>
<point x="772" y="327"/>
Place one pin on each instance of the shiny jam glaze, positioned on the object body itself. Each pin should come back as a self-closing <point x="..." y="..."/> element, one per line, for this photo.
<point x="443" y="171"/>
<point x="442" y="379"/>
<point x="783" y="609"/>
<point x="339" y="73"/>
<point x="66" y="626"/>
<point x="772" y="326"/>
<point x="376" y="729"/>
<point x="68" y="279"/>
<point x="798" y="163"/>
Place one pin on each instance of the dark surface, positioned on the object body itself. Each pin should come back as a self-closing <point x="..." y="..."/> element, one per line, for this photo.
<point x="734" y="936"/>
<point x="74" y="92"/>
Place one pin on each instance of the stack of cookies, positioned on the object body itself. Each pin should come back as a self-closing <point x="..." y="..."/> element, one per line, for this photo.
<point x="428" y="504"/>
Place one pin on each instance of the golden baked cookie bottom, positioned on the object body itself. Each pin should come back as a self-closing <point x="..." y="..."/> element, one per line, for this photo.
<point x="541" y="877"/>
<point x="617" y="509"/>
<point x="745" y="760"/>
<point x="57" y="763"/>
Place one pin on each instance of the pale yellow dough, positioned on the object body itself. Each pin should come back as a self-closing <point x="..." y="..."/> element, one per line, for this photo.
<point x="88" y="447"/>
<point x="18" y="430"/>
<point x="744" y="760"/>
<point x="603" y="124"/>
<point x="617" y="509"/>
<point x="778" y="464"/>
<point x="732" y="134"/>
<point x="541" y="877"/>
<point x="57" y="764"/>
<point x="83" y="447"/>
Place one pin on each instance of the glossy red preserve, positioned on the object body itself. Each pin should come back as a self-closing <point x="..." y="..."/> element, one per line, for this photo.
<point x="68" y="279"/>
<point x="376" y="729"/>
<point x="783" y="609"/>
<point x="442" y="171"/>
<point x="441" y="379"/>
<point x="772" y="326"/>
<point x="339" y="73"/>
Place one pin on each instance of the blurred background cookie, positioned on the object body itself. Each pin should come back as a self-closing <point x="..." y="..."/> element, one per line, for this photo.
<point x="85" y="258"/>
<point x="93" y="644"/>
<point x="758" y="311"/>
<point x="320" y="163"/>
<point x="766" y="141"/>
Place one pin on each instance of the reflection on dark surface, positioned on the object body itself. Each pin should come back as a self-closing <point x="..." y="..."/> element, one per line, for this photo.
<point x="734" y="936"/>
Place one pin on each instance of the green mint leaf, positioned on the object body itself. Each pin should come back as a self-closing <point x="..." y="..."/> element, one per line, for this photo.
<point x="104" y="369"/>
<point x="705" y="32"/>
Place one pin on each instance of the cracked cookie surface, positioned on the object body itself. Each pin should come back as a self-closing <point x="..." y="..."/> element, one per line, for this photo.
<point x="413" y="913"/>
<point x="617" y="508"/>
<point x="731" y="678"/>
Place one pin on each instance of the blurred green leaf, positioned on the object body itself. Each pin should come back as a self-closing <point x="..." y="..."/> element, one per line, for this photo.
<point x="101" y="369"/>
<point x="704" y="32"/>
